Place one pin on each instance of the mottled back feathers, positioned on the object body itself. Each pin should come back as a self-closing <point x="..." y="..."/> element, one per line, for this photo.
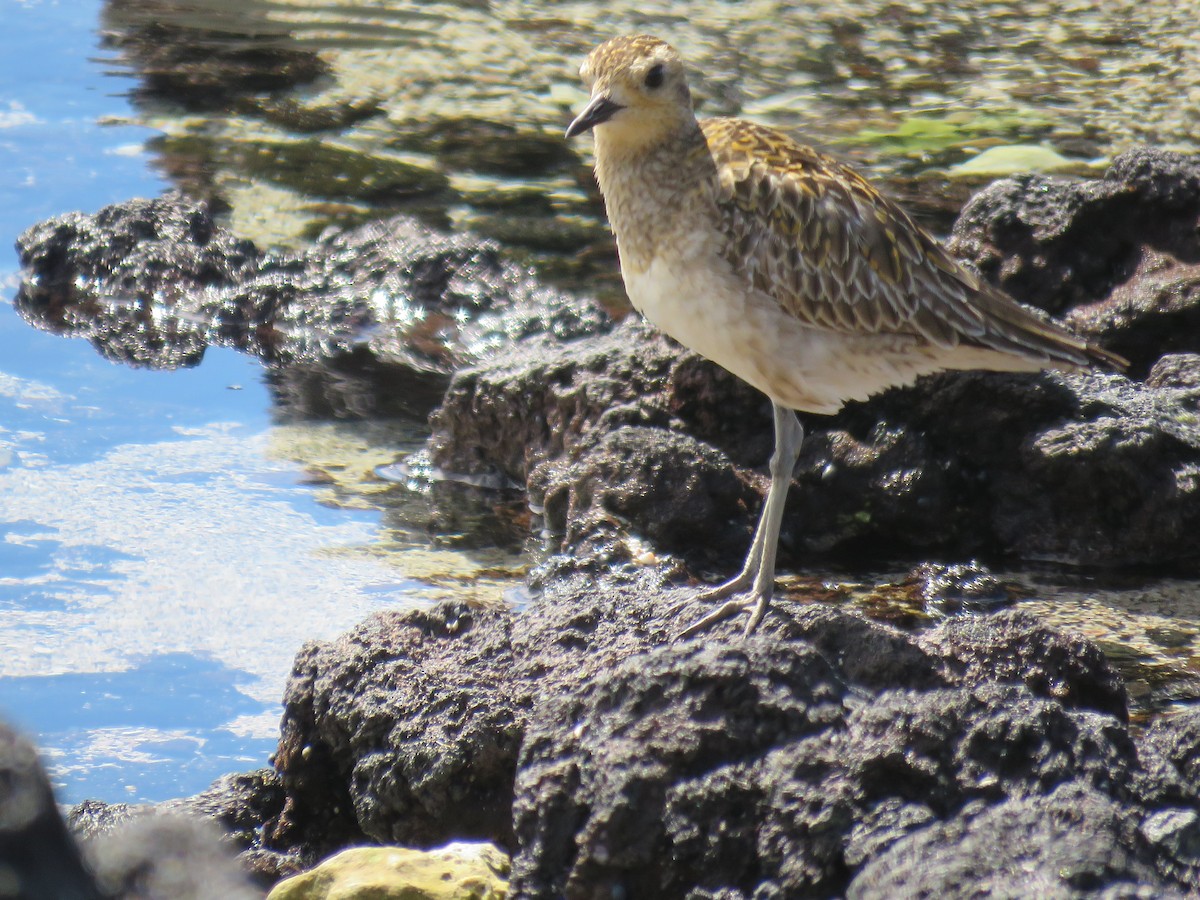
<point x="812" y="233"/>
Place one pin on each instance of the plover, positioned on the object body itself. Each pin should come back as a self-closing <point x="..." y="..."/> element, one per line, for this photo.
<point x="785" y="267"/>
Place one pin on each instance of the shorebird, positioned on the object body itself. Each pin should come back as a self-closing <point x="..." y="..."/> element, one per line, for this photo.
<point x="785" y="267"/>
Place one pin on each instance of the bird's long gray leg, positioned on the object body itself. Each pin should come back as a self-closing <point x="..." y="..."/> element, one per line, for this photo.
<point x="758" y="573"/>
<point x="789" y="435"/>
<point x="750" y="567"/>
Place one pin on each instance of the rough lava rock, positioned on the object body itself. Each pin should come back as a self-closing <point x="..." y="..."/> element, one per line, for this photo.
<point x="826" y="756"/>
<point x="614" y="762"/>
<point x="1089" y="469"/>
<point x="38" y="858"/>
<point x="406" y="729"/>
<point x="128" y="855"/>
<point x="165" y="857"/>
<point x="1073" y="843"/>
<point x="1018" y="648"/>
<point x="1117" y="256"/>
<point x="368" y="321"/>
<point x="391" y="318"/>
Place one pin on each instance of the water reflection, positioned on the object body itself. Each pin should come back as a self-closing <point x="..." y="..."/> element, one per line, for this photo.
<point x="300" y="116"/>
<point x="213" y="546"/>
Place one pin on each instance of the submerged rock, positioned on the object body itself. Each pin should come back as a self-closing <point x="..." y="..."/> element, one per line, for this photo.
<point x="206" y="68"/>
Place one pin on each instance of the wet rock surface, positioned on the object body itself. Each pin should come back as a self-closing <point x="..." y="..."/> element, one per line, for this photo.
<point x="629" y="435"/>
<point x="608" y="759"/>
<point x="366" y="322"/>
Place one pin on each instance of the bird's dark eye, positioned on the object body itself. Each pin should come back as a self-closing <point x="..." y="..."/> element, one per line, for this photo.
<point x="654" y="78"/>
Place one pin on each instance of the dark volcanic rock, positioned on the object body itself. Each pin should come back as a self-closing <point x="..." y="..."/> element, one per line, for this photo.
<point x="402" y="731"/>
<point x="239" y="803"/>
<point x="92" y="818"/>
<point x="1172" y="741"/>
<point x="956" y="587"/>
<point x="1073" y="843"/>
<point x="235" y="806"/>
<point x="615" y="795"/>
<point x="543" y="401"/>
<point x="907" y="761"/>
<point x="364" y="322"/>
<point x="407" y="728"/>
<point x="1016" y="647"/>
<point x="1177" y="370"/>
<point x="239" y="806"/>
<point x="164" y="857"/>
<point x="682" y="492"/>
<point x="1121" y="253"/>
<point x="130" y="854"/>
<point x="1128" y="469"/>
<point x="1092" y="469"/>
<point x="614" y="762"/>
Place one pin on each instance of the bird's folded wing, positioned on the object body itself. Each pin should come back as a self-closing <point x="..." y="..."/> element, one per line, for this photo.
<point x="836" y="254"/>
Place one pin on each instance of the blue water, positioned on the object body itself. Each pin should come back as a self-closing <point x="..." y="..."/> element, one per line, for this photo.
<point x="188" y="698"/>
<point x="54" y="156"/>
<point x="161" y="559"/>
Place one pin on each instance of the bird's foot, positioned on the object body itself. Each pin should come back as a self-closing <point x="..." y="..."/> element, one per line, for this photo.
<point x="753" y="601"/>
<point x="735" y="585"/>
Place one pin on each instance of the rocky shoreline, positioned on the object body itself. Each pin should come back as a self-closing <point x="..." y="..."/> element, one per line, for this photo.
<point x="828" y="756"/>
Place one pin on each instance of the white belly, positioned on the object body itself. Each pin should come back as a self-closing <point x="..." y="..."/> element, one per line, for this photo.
<point x="710" y="310"/>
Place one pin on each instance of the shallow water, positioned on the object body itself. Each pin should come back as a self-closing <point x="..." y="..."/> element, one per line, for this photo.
<point x="168" y="545"/>
<point x="166" y="549"/>
<point x="454" y="111"/>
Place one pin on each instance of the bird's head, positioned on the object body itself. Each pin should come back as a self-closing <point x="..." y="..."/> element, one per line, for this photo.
<point x="639" y="91"/>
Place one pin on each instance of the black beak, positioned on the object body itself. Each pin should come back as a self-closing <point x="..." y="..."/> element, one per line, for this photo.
<point x="599" y="109"/>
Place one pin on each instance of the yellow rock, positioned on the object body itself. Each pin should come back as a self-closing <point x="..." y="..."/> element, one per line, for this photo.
<point x="458" y="871"/>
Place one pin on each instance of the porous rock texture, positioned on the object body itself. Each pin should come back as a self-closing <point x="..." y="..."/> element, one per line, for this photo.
<point x="827" y="755"/>
<point x="1116" y="256"/>
<point x="625" y="434"/>
<point x="614" y="762"/>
